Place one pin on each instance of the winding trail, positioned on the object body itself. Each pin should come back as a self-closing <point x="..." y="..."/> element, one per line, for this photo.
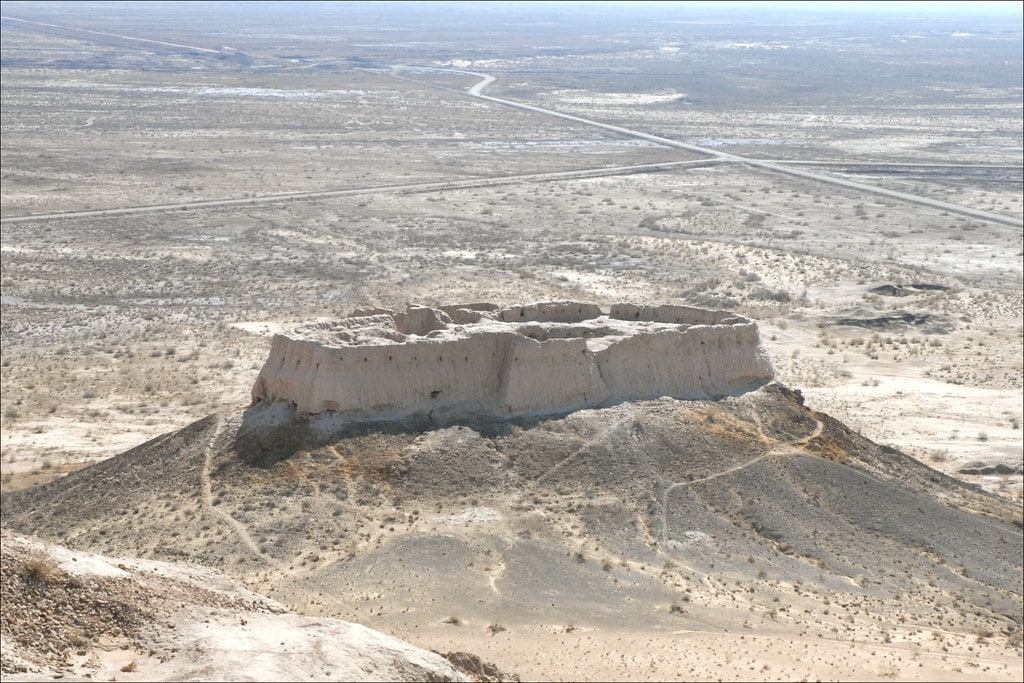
<point x="783" y="449"/>
<point x="819" y="427"/>
<point x="588" y="443"/>
<point x="207" y="484"/>
<point x="494" y="574"/>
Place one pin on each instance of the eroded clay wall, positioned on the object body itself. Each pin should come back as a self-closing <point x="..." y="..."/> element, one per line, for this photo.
<point x="669" y="313"/>
<point x="550" y="311"/>
<point x="556" y="374"/>
<point x="498" y="369"/>
<point x="393" y="379"/>
<point x="697" y="362"/>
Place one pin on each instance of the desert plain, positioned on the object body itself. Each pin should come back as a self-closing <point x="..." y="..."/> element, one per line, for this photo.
<point x="177" y="187"/>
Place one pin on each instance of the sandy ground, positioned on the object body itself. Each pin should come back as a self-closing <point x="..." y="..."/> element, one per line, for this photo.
<point x="551" y="653"/>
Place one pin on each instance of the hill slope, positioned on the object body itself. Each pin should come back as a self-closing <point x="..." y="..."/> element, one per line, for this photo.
<point x="78" y="614"/>
<point x="654" y="520"/>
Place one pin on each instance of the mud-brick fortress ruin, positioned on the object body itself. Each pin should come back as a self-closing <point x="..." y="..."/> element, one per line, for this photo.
<point x="481" y="360"/>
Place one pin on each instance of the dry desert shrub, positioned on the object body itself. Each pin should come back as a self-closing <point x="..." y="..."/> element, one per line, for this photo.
<point x="42" y="567"/>
<point x="765" y="294"/>
<point x="1015" y="639"/>
<point x="78" y="639"/>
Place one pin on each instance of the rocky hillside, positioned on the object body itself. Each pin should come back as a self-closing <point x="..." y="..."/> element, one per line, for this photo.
<point x="78" y="614"/>
<point x="648" y="517"/>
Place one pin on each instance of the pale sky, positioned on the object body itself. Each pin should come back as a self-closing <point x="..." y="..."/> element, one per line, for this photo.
<point x="932" y="7"/>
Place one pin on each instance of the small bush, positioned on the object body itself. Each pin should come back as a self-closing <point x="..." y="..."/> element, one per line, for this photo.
<point x="765" y="294"/>
<point x="78" y="639"/>
<point x="42" y="568"/>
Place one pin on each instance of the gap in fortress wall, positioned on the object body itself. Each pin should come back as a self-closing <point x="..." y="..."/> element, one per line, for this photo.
<point x="479" y="360"/>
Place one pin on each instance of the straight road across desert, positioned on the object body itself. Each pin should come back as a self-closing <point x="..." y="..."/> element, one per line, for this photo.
<point x="477" y="91"/>
<point x="776" y="166"/>
<point x="405" y="188"/>
<point x="87" y="32"/>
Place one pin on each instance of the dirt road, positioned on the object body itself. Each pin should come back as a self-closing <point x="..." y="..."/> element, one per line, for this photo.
<point x="776" y="166"/>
